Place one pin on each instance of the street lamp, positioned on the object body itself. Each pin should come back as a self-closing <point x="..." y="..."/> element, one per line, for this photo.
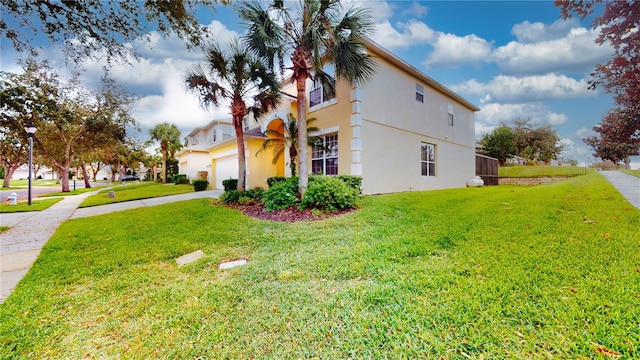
<point x="31" y="129"/>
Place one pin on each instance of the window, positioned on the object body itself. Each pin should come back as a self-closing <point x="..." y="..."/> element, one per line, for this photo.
<point x="428" y="160"/>
<point x="450" y="114"/>
<point x="450" y="119"/>
<point x="319" y="94"/>
<point x="419" y="93"/>
<point x="324" y="155"/>
<point x="227" y="132"/>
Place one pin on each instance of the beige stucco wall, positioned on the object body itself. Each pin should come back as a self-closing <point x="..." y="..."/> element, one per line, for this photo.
<point x="190" y="162"/>
<point x="391" y="161"/>
<point x="259" y="168"/>
<point x="381" y="127"/>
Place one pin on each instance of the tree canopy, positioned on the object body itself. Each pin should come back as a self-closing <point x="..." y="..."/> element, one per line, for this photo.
<point x="67" y="115"/>
<point x="235" y="75"/>
<point x="88" y="27"/>
<point x="168" y="135"/>
<point x="618" y="134"/>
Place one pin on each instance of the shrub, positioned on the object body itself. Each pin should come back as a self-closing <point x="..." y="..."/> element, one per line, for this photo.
<point x="230" y="197"/>
<point x="282" y="195"/>
<point x="275" y="180"/>
<point x="230" y="184"/>
<point x="353" y="181"/>
<point x="329" y="193"/>
<point x="200" y="184"/>
<point x="235" y="196"/>
<point x="180" y="179"/>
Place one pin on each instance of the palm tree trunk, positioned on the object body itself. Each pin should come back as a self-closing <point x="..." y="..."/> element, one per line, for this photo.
<point x="164" y="167"/>
<point x="303" y="153"/>
<point x="242" y="160"/>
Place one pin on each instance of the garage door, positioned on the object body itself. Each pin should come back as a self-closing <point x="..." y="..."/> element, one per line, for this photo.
<point x="226" y="167"/>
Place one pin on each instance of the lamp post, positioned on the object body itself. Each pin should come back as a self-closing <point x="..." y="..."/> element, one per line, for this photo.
<point x="31" y="129"/>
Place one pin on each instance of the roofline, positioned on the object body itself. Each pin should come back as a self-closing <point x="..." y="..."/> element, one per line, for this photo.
<point x="385" y="54"/>
<point x="208" y="125"/>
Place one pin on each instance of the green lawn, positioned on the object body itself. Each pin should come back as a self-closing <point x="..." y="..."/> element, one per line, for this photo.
<point x="631" y="172"/>
<point x="504" y="272"/>
<point x="77" y="191"/>
<point x="540" y="171"/>
<point x="145" y="190"/>
<point x="25" y="183"/>
<point x="23" y="206"/>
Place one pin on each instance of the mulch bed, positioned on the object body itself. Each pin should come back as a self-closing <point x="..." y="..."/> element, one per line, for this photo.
<point x="257" y="210"/>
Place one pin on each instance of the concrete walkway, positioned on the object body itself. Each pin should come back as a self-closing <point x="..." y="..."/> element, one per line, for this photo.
<point x="627" y="185"/>
<point x="30" y="231"/>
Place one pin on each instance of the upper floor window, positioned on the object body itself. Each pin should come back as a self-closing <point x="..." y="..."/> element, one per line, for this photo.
<point x="450" y="115"/>
<point x="419" y="93"/>
<point x="428" y="159"/>
<point x="319" y="94"/>
<point x="324" y="156"/>
<point x="227" y="132"/>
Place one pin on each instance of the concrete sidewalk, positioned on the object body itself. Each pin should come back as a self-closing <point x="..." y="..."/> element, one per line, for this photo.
<point x="627" y="185"/>
<point x="30" y="231"/>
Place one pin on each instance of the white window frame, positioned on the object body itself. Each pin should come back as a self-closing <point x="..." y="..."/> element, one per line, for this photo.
<point x="450" y="114"/>
<point x="428" y="159"/>
<point x="419" y="93"/>
<point x="319" y="88"/>
<point x="323" y="157"/>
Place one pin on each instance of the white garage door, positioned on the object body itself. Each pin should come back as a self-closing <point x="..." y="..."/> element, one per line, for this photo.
<point x="226" y="167"/>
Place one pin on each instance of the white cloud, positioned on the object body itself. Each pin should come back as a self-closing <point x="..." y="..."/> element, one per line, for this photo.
<point x="529" y="88"/>
<point x="493" y="114"/>
<point x="527" y="32"/>
<point x="409" y="34"/>
<point x="379" y="10"/>
<point x="452" y="50"/>
<point x="584" y="132"/>
<point x="576" y="52"/>
<point x="416" y="9"/>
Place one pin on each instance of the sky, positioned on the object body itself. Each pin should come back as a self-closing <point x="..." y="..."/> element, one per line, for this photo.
<point x="513" y="59"/>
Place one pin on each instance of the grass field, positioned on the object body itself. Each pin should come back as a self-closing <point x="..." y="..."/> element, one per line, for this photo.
<point x="631" y="172"/>
<point x="145" y="190"/>
<point x="25" y="183"/>
<point x="551" y="271"/>
<point x="540" y="171"/>
<point x="23" y="206"/>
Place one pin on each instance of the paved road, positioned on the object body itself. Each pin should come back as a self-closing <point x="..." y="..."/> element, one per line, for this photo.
<point x="23" y="192"/>
<point x="30" y="231"/>
<point x="627" y="185"/>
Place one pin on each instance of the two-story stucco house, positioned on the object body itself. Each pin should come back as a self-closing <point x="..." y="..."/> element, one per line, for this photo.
<point x="401" y="131"/>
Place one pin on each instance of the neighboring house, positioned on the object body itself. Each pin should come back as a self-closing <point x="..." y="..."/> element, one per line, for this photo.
<point x="211" y="152"/>
<point x="401" y="131"/>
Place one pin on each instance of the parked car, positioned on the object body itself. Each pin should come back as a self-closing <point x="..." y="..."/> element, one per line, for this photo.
<point x="129" y="178"/>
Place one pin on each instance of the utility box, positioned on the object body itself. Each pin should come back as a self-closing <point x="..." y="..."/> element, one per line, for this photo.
<point x="12" y="199"/>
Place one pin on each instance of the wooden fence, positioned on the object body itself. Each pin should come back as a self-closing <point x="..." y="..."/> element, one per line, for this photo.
<point x="487" y="169"/>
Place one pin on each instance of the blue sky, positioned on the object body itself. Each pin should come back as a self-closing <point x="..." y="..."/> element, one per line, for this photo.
<point x="514" y="59"/>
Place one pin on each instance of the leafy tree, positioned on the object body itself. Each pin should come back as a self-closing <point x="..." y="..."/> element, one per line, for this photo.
<point x="500" y="143"/>
<point x="312" y="35"/>
<point x="168" y="135"/>
<point x="618" y="23"/>
<point x="19" y="99"/>
<point x="617" y="138"/>
<point x="90" y="27"/>
<point x="536" y="142"/>
<point x="234" y="75"/>
<point x="287" y="138"/>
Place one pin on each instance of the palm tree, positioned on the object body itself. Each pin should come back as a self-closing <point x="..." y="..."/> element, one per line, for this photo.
<point x="287" y="139"/>
<point x="235" y="75"/>
<point x="168" y="135"/>
<point x="316" y="33"/>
